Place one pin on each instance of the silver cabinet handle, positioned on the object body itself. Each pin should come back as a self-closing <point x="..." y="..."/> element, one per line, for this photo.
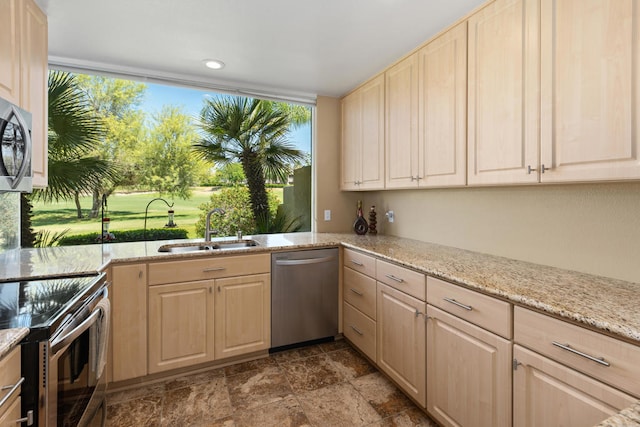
<point x="211" y="269"/>
<point x="304" y="261"/>
<point x="12" y="389"/>
<point x="356" y="292"/>
<point x="358" y="263"/>
<point x="28" y="419"/>
<point x="357" y="331"/>
<point x="568" y="348"/>
<point x="392" y="277"/>
<point x="459" y="304"/>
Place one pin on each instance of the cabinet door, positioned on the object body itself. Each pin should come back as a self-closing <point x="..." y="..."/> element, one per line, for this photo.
<point x="549" y="394"/>
<point x="590" y="88"/>
<point x="242" y="315"/>
<point x="442" y="120"/>
<point x="180" y="325"/>
<point x="468" y="372"/>
<point x="363" y="137"/>
<point x="34" y="60"/>
<point x="503" y="93"/>
<point x="128" y="295"/>
<point x="351" y="140"/>
<point x="12" y="414"/>
<point x="401" y="85"/>
<point x="401" y="340"/>
<point x="371" y="155"/>
<point x="9" y="51"/>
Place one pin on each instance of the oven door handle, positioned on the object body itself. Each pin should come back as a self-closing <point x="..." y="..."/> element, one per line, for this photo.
<point x="67" y="339"/>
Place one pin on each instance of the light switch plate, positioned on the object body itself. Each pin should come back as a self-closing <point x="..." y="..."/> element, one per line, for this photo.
<point x="327" y="215"/>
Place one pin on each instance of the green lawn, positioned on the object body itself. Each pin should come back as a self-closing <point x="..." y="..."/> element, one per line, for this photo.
<point x="126" y="212"/>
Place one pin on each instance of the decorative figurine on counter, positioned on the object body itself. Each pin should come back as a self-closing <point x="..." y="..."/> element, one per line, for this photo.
<point x="360" y="226"/>
<point x="372" y="220"/>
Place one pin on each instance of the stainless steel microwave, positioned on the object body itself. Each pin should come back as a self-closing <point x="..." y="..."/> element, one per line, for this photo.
<point x="15" y="161"/>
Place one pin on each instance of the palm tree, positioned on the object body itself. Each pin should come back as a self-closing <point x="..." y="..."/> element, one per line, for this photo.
<point x="74" y="134"/>
<point x="254" y="133"/>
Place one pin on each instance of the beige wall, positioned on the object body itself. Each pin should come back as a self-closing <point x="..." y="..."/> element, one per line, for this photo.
<point x="326" y="173"/>
<point x="593" y="228"/>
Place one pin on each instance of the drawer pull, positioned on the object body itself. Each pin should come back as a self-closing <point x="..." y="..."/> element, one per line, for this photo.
<point x="13" y="388"/>
<point x="209" y="270"/>
<point x="356" y="292"/>
<point x="357" y="331"/>
<point x="392" y="277"/>
<point x="567" y="347"/>
<point x="358" y="263"/>
<point x="459" y="304"/>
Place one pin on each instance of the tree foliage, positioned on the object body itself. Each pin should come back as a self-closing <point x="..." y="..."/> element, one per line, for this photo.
<point x="74" y="135"/>
<point x="236" y="202"/>
<point x="167" y="163"/>
<point x="253" y="133"/>
<point x="116" y="103"/>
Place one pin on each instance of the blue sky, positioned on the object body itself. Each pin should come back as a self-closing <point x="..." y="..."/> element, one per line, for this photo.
<point x="191" y="101"/>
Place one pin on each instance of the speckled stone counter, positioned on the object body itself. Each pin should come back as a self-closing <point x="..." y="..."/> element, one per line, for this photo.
<point x="9" y="338"/>
<point x="626" y="418"/>
<point x="606" y="304"/>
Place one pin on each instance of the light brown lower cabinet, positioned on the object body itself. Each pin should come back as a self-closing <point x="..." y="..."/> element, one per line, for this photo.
<point x="468" y="373"/>
<point x="242" y="315"/>
<point x="181" y="325"/>
<point x="128" y="294"/>
<point x="549" y="394"/>
<point x="10" y="368"/>
<point x="401" y="341"/>
<point x="10" y="416"/>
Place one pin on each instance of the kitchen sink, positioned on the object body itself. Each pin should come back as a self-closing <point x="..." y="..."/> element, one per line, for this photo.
<point x="211" y="246"/>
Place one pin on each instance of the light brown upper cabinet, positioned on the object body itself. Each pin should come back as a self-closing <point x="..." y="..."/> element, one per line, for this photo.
<point x="401" y="126"/>
<point x="442" y="107"/>
<point x="590" y="88"/>
<point x="503" y="93"/>
<point x="363" y="137"/>
<point x="9" y="51"/>
<point x="23" y="72"/>
<point x="34" y="76"/>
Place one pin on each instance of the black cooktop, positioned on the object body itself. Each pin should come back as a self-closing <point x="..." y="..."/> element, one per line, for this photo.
<point x="44" y="303"/>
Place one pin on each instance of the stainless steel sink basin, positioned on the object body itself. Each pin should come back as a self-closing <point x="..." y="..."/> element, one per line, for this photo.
<point x="203" y="247"/>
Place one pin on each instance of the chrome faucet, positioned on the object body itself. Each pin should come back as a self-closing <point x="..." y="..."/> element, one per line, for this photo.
<point x="207" y="226"/>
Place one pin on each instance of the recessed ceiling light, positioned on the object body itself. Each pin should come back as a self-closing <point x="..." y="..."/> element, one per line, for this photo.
<point x="214" y="64"/>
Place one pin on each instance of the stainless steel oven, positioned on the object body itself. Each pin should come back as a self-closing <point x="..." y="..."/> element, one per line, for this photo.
<point x="64" y="355"/>
<point x="75" y="357"/>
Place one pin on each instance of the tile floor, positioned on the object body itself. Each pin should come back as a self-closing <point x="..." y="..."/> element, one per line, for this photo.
<point x="321" y="385"/>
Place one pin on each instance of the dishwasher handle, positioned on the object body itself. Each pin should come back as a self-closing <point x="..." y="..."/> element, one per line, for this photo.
<point x="304" y="261"/>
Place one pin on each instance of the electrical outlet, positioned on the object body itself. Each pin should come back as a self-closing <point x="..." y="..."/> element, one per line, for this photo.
<point x="327" y="215"/>
<point x="390" y="216"/>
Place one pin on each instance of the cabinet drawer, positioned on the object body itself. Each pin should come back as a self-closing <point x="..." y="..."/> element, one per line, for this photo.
<point x="360" y="291"/>
<point x="482" y="310"/>
<point x="403" y="279"/>
<point x="365" y="264"/>
<point x="10" y="373"/>
<point x="208" y="268"/>
<point x="539" y="333"/>
<point x="360" y="330"/>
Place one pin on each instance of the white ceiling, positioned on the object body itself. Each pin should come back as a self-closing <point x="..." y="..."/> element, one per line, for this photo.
<point x="286" y="47"/>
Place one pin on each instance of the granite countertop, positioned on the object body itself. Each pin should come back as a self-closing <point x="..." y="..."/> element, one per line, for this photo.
<point x="606" y="304"/>
<point x="9" y="338"/>
<point x="609" y="305"/>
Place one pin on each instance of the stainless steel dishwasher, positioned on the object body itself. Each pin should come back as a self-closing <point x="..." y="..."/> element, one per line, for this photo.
<point x="304" y="296"/>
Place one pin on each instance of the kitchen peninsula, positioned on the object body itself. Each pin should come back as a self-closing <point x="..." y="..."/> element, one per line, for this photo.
<point x="607" y="306"/>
